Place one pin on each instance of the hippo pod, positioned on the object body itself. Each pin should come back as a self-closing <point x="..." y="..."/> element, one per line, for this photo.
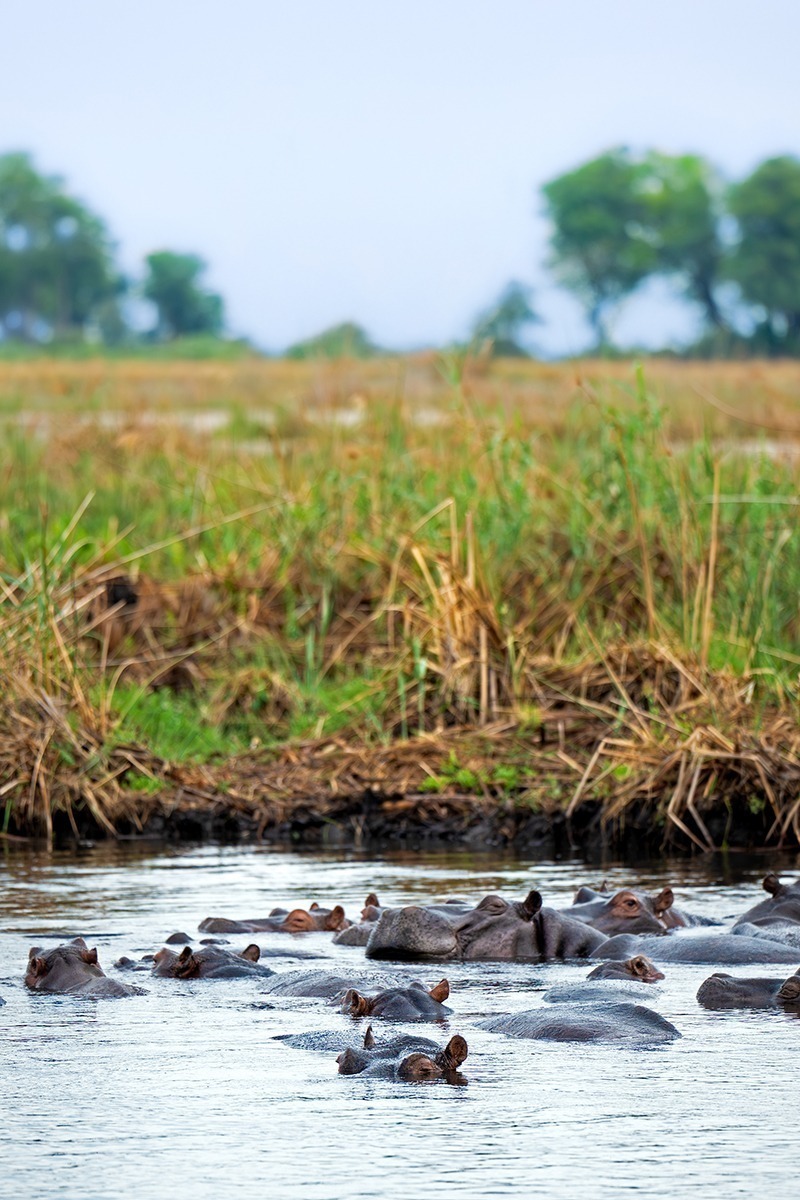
<point x="73" y="969"/>
<point x="494" y="929"/>
<point x="280" y="920"/>
<point x="721" y="991"/>
<point x="412" y="1003"/>
<point x="586" y="1023"/>
<point x="714" y="949"/>
<point x="212" y="962"/>
<point x="407" y="1058"/>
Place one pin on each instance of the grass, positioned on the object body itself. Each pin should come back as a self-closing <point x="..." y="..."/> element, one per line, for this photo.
<point x="386" y="551"/>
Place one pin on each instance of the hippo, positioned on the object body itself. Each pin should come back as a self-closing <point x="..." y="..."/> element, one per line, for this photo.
<point x="178" y="939"/>
<point x="587" y="1023"/>
<point x="407" y="1058"/>
<point x="299" y="920"/>
<point x="212" y="962"/>
<point x="638" y="968"/>
<point x="323" y="984"/>
<point x="626" y="911"/>
<point x="72" y="969"/>
<point x="778" y="917"/>
<point x="358" y="934"/>
<point x="412" y="1003"/>
<point x="494" y="929"/>
<point x="727" y="991"/>
<point x="724" y="949"/>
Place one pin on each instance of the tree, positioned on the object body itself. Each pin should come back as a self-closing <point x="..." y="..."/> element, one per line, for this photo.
<point x="504" y="322"/>
<point x="765" y="262"/>
<point x="184" y="307"/>
<point x="682" y="225"/>
<point x="600" y="249"/>
<point x="347" y="340"/>
<point x="56" y="258"/>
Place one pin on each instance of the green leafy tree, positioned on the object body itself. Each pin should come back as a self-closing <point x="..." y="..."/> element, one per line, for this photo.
<point x="56" y="258"/>
<point x="600" y="246"/>
<point x="184" y="307"/>
<point x="347" y="340"/>
<point x="504" y="323"/>
<point x="765" y="262"/>
<point x="682" y="217"/>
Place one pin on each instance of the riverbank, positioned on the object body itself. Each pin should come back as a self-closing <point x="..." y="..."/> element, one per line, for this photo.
<point x="500" y="603"/>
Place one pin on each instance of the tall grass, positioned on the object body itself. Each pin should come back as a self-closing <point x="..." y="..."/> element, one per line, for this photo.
<point x="384" y="552"/>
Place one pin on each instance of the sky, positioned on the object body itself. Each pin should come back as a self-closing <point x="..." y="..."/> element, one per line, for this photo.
<point x="381" y="161"/>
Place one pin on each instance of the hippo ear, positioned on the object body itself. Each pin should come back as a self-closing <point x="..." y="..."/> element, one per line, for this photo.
<point x="336" y="918"/>
<point x="440" y="992"/>
<point x="80" y="943"/>
<point x="772" y="884"/>
<point x="604" y="886"/>
<point x="355" y="1004"/>
<point x="456" y="1051"/>
<point x="664" y="900"/>
<point x="313" y="906"/>
<point x="531" y="905"/>
<point x="369" y="1040"/>
<point x="89" y="956"/>
<point x="36" y="965"/>
<point x="252" y="952"/>
<point x="372" y="901"/>
<point x="185" y="954"/>
<point x="187" y="966"/>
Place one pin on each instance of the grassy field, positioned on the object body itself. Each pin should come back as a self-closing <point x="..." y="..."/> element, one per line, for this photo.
<point x="592" y="567"/>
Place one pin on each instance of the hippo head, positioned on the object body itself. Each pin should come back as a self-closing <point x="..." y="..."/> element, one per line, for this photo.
<point x="63" y="967"/>
<point x="772" y="884"/>
<point x="498" y="928"/>
<point x="300" y="921"/>
<point x="633" y="912"/>
<point x="412" y="933"/>
<point x="356" y="1005"/>
<point x="789" y="992"/>
<point x="418" y="1067"/>
<point x="642" y="969"/>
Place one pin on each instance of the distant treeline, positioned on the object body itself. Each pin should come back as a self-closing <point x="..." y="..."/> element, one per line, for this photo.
<point x="730" y="250"/>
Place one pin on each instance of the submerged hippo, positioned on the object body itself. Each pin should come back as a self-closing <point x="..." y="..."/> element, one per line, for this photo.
<point x="212" y="962"/>
<point x="638" y="968"/>
<point x="407" y="1058"/>
<point x="778" y="917"/>
<point x="586" y="1023"/>
<point x="73" y="969"/>
<point x="721" y="991"/>
<point x="494" y="929"/>
<point x="725" y="949"/>
<point x="412" y="1003"/>
<point x="358" y="934"/>
<point x="298" y="920"/>
<point x="323" y="985"/>
<point x="625" y="911"/>
<point x="660" y="906"/>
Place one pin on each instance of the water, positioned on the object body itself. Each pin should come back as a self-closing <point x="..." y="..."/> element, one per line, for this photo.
<point x="186" y="1090"/>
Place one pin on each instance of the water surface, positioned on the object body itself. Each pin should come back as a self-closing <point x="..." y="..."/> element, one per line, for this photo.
<point x="186" y="1089"/>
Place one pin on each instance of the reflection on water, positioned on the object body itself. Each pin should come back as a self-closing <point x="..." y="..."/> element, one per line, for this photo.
<point x="187" y="1089"/>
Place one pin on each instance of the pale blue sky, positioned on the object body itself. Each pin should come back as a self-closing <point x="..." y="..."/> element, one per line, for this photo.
<point x="381" y="160"/>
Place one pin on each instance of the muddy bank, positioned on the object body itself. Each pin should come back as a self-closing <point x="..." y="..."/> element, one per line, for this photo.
<point x="498" y="788"/>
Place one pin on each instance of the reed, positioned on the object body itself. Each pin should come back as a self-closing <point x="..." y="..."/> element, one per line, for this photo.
<point x="586" y="575"/>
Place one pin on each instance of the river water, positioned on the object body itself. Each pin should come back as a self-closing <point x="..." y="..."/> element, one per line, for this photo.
<point x="186" y="1090"/>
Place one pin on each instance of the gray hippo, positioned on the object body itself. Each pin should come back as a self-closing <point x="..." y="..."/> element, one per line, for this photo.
<point x="724" y="949"/>
<point x="625" y="911"/>
<point x="298" y="920"/>
<point x="212" y="962"/>
<point x="73" y="969"/>
<point x="494" y="929"/>
<point x="586" y="1023"/>
<point x="777" y="918"/>
<point x="323" y="985"/>
<point x="722" y="991"/>
<point x="413" y="1003"/>
<point x="639" y="968"/>
<point x="407" y="1058"/>
<point x="358" y="934"/>
<point x="661" y="905"/>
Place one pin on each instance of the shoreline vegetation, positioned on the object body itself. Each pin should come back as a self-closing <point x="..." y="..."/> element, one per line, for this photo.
<point x="429" y="597"/>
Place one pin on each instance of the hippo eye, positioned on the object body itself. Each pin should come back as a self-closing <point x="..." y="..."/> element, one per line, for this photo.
<point x="630" y="903"/>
